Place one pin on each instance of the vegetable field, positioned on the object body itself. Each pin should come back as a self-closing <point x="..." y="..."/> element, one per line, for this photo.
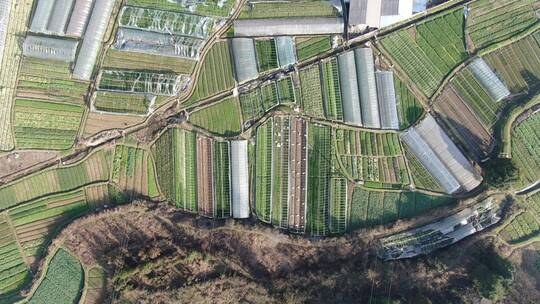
<point x="95" y="168"/>
<point x="331" y="90"/>
<point x="46" y="125"/>
<point x="208" y="7"/>
<point x="223" y="118"/>
<point x="221" y="166"/>
<point x="13" y="272"/>
<point x="518" y="64"/>
<point x="36" y="221"/>
<point x="95" y="283"/>
<point x="525" y="148"/>
<point x="310" y="87"/>
<point x="122" y="103"/>
<point x="312" y="46"/>
<point x="375" y="158"/>
<point x="521" y="228"/>
<point x="492" y="21"/>
<point x="430" y="50"/>
<point x="263" y="171"/>
<point x="255" y="103"/>
<point x="255" y="10"/>
<point x="175" y="154"/>
<point x="130" y="170"/>
<point x="115" y="59"/>
<point x="63" y="281"/>
<point x="216" y="74"/>
<point x="371" y="208"/>
<point x="286" y="90"/>
<point x="266" y="53"/>
<point x="408" y="107"/>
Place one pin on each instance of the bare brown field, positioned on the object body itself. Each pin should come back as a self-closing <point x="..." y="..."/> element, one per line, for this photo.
<point x="98" y="122"/>
<point x="205" y="187"/>
<point x="298" y="170"/>
<point x="97" y="195"/>
<point x="21" y="160"/>
<point x="464" y="123"/>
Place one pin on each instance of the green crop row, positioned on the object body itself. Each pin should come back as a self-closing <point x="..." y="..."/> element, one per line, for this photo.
<point x="408" y="106"/>
<point x="263" y="171"/>
<point x="311" y="47"/>
<point x="265" y="50"/>
<point x="310" y="88"/>
<point x="121" y="103"/>
<point x="521" y="228"/>
<point x="525" y="148"/>
<point x="223" y="118"/>
<point x="222" y="196"/>
<point x="13" y="271"/>
<point x="255" y="10"/>
<point x="331" y="90"/>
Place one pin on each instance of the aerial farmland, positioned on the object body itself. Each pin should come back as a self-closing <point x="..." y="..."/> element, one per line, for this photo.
<point x="214" y="151"/>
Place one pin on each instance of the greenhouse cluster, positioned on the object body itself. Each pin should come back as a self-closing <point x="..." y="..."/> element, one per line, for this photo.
<point x="155" y="83"/>
<point x="441" y="157"/>
<point x="239" y="179"/>
<point x="428" y="238"/>
<point x="5" y="8"/>
<point x="360" y="87"/>
<point x="489" y="80"/>
<point x="158" y="43"/>
<point x="52" y="48"/>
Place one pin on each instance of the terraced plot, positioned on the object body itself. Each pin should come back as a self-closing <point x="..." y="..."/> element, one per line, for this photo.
<point x="13" y="271"/>
<point x="255" y="10"/>
<point x="36" y="222"/>
<point x="255" y="103"/>
<point x="521" y="228"/>
<point x="525" y="148"/>
<point x="46" y="125"/>
<point x="333" y="108"/>
<point x="95" y="283"/>
<point x="122" y="103"/>
<point x="375" y="158"/>
<point x="95" y="168"/>
<point x="130" y="171"/>
<point x="408" y="107"/>
<point x="266" y="54"/>
<point x="310" y="87"/>
<point x="371" y="208"/>
<point x="430" y="50"/>
<point x="115" y="59"/>
<point x="492" y="21"/>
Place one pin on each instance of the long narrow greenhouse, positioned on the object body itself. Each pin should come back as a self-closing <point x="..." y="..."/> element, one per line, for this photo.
<point x="239" y="179"/>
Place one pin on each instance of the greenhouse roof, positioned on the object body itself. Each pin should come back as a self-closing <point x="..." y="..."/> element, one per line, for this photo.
<point x="288" y="26"/>
<point x="239" y="179"/>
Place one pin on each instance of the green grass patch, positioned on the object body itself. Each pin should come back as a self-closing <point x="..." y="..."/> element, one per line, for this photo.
<point x="223" y="118"/>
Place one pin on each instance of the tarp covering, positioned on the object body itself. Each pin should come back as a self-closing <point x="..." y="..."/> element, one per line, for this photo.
<point x="349" y="88"/>
<point x="52" y="48"/>
<point x="79" y="17"/>
<point x="489" y="80"/>
<point x="367" y="86"/>
<point x="239" y="179"/>
<point x="387" y="100"/>
<point x="245" y="63"/>
<point x="142" y="82"/>
<point x="91" y="44"/>
<point x="288" y="26"/>
<point x="285" y="51"/>
<point x="158" y="43"/>
<point x="166" y="22"/>
<point x="5" y="8"/>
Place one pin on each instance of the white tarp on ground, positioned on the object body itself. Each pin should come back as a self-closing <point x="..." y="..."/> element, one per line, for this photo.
<point x="5" y="9"/>
<point x="245" y="63"/>
<point x="157" y="43"/>
<point x="79" y="17"/>
<point x="285" y="51"/>
<point x="367" y="86"/>
<point x="239" y="179"/>
<point x="387" y="99"/>
<point x="288" y="26"/>
<point x="51" y="48"/>
<point x="349" y="88"/>
<point x="84" y="66"/>
<point x="449" y="153"/>
<point x="488" y="79"/>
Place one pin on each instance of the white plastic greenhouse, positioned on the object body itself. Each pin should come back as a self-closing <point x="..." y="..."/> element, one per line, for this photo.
<point x="245" y="63"/>
<point x="285" y="51"/>
<point x="489" y="80"/>
<point x="91" y="44"/>
<point x="42" y="14"/>
<point x="51" y="48"/>
<point x="5" y="8"/>
<point x="387" y="100"/>
<point x="79" y="17"/>
<point x="59" y="16"/>
<point x="365" y="71"/>
<point x="288" y="26"/>
<point x="142" y="82"/>
<point x="349" y="88"/>
<point x="158" y="43"/>
<point x="239" y="179"/>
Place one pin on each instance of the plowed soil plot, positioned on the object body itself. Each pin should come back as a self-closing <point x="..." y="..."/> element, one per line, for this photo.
<point x="205" y="188"/>
<point x="464" y="123"/>
<point x="298" y="163"/>
<point x="17" y="161"/>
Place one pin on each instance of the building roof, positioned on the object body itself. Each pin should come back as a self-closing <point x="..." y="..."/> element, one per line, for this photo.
<point x="84" y="66"/>
<point x="288" y="26"/>
<point x="51" y="48"/>
<point x="239" y="179"/>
